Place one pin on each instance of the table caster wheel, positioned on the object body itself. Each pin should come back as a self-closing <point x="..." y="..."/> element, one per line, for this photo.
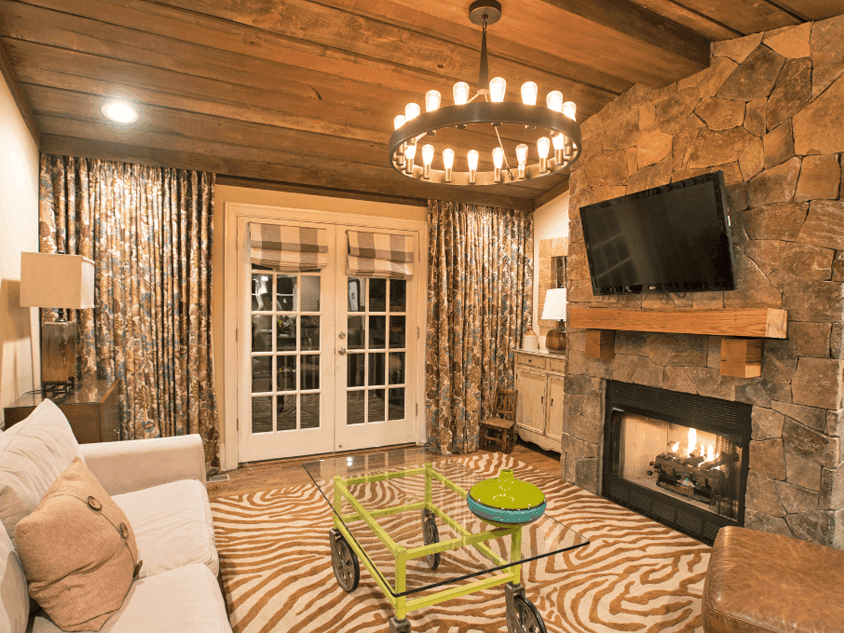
<point x="524" y="618"/>
<point x="430" y="535"/>
<point x="344" y="561"/>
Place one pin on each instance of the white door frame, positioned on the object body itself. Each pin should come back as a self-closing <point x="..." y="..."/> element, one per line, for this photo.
<point x="228" y="378"/>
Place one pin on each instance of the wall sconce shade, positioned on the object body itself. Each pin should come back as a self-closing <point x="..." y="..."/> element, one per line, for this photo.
<point x="56" y="281"/>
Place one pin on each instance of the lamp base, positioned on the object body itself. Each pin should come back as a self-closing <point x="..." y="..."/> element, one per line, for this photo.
<point x="58" y="355"/>
<point x="555" y="340"/>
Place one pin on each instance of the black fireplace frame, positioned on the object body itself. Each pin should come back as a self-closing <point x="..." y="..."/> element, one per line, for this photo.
<point x="707" y="414"/>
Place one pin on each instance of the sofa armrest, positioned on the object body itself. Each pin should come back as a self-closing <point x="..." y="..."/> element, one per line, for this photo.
<point x="138" y="464"/>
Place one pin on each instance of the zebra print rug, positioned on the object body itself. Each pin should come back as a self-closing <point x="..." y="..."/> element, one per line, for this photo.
<point x="635" y="575"/>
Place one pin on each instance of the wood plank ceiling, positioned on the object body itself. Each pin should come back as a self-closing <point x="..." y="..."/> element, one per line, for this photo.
<point x="301" y="94"/>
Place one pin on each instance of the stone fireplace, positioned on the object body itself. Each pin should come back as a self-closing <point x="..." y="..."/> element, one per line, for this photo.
<point x="769" y="112"/>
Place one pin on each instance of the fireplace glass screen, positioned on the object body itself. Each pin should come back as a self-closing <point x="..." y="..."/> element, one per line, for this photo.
<point x="699" y="467"/>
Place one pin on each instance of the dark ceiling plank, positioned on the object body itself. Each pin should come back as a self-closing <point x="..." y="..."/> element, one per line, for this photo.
<point x="354" y="33"/>
<point x="552" y="193"/>
<point x="811" y="10"/>
<point x="744" y="17"/>
<point x="21" y="101"/>
<point x="286" y="65"/>
<point x="649" y="28"/>
<point x="52" y="144"/>
<point x="709" y="27"/>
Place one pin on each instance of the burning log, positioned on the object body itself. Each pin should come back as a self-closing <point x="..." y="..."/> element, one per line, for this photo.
<point x="692" y="476"/>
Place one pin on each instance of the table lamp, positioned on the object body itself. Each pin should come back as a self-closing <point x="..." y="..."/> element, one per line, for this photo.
<point x="65" y="282"/>
<point x="555" y="310"/>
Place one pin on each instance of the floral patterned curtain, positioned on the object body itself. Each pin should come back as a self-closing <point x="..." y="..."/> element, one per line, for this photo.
<point x="480" y="292"/>
<point x="149" y="232"/>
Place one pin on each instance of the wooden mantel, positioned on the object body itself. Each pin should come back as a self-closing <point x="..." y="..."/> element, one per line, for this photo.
<point x="750" y="322"/>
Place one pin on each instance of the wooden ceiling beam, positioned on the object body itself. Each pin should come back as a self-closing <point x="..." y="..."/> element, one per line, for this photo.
<point x="745" y="17"/>
<point x="87" y="148"/>
<point x="20" y="98"/>
<point x="812" y="9"/>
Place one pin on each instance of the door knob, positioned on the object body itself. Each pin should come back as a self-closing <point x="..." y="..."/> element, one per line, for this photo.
<point x="342" y="351"/>
<point x="341" y="335"/>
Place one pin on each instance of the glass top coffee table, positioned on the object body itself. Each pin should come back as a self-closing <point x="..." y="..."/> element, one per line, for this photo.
<point x="404" y="515"/>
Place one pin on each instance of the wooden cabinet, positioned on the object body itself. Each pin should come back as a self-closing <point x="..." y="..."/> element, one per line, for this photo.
<point x="92" y="408"/>
<point x="540" y="382"/>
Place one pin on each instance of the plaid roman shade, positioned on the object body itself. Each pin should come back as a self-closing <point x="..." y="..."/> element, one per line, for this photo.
<point x="380" y="255"/>
<point x="288" y="248"/>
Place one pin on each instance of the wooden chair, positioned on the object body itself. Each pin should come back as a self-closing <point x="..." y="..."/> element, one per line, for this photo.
<point x="499" y="432"/>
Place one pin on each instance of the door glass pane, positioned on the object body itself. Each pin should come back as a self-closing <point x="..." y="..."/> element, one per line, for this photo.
<point x="286" y="380"/>
<point x="286" y="412"/>
<point x="397" y="368"/>
<point x="396" y="407"/>
<point x="262" y="333"/>
<point x="286" y="333"/>
<point x="310" y="372"/>
<point x="377" y="295"/>
<point x="398" y="295"/>
<point x="310" y="333"/>
<point x="309" y="411"/>
<point x="262" y="414"/>
<point x="354" y="407"/>
<point x="355" y="370"/>
<point x="262" y="289"/>
<point x="310" y="294"/>
<point x="356" y="332"/>
<point x="397" y="330"/>
<point x="377" y="332"/>
<point x="286" y="297"/>
<point x="262" y="371"/>
<point x="376" y="369"/>
<point x="357" y="294"/>
<point x="376" y="405"/>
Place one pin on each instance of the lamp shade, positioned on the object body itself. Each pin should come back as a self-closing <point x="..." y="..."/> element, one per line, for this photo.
<point x="56" y="281"/>
<point x="555" y="305"/>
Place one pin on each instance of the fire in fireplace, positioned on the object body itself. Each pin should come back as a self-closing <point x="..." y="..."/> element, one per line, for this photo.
<point x="679" y="458"/>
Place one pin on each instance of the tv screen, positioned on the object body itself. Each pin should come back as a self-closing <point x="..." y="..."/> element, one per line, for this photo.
<point x="673" y="238"/>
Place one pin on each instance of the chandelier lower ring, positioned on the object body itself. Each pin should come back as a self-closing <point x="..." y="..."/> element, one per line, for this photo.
<point x="486" y="113"/>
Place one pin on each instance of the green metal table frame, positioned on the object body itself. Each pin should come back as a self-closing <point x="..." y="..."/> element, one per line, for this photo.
<point x="397" y="597"/>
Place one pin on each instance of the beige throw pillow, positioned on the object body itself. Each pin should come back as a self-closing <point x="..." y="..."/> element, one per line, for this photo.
<point x="78" y="551"/>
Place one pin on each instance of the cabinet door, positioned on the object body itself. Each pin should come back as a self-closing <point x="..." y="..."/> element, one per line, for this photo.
<point x="530" y="412"/>
<point x="556" y="399"/>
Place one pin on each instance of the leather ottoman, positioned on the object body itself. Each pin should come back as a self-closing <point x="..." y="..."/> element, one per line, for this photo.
<point x="758" y="581"/>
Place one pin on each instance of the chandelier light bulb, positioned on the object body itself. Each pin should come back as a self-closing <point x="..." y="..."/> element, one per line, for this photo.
<point x="542" y="146"/>
<point x="497" y="88"/>
<point x="472" y="158"/>
<point x="399" y="121"/>
<point x="570" y="109"/>
<point x="448" y="162"/>
<point x="411" y="111"/>
<point x="427" y="159"/>
<point x="409" y="155"/>
<point x="498" y="161"/>
<point x="559" y="142"/>
<point x="529" y="92"/>
<point x="521" y="156"/>
<point x="432" y="100"/>
<point x="461" y="93"/>
<point x="554" y="101"/>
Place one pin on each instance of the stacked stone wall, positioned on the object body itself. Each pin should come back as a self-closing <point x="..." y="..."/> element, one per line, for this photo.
<point x="769" y="112"/>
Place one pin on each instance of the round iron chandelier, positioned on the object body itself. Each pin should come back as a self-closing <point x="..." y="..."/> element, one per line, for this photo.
<point x="419" y="152"/>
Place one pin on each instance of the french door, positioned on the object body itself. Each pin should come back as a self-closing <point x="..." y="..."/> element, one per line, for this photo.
<point x="328" y="362"/>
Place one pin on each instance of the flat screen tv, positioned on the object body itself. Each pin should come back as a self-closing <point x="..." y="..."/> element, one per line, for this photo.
<point x="673" y="238"/>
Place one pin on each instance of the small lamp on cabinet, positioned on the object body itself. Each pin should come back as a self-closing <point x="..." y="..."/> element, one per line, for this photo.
<point x="555" y="310"/>
<point x="65" y="282"/>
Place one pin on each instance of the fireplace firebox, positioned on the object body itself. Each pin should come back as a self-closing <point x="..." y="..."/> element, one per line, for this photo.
<point x="679" y="458"/>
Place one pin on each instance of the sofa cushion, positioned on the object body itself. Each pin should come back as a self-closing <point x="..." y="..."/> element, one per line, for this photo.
<point x="33" y="453"/>
<point x="78" y="551"/>
<point x="14" y="600"/>
<point x="184" y="600"/>
<point x="173" y="526"/>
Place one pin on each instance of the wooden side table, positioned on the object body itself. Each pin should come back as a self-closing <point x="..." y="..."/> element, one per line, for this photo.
<point x="92" y="408"/>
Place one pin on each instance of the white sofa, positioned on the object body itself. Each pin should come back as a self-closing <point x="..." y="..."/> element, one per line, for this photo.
<point x="160" y="486"/>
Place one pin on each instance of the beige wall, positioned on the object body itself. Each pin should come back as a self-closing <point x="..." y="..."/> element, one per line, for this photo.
<point x="549" y="221"/>
<point x="226" y="194"/>
<point x="18" y="232"/>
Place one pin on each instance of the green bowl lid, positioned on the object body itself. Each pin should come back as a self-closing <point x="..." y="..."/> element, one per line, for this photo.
<point x="507" y="493"/>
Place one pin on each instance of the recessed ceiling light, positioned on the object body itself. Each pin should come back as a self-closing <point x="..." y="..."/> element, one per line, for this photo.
<point x="120" y="111"/>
